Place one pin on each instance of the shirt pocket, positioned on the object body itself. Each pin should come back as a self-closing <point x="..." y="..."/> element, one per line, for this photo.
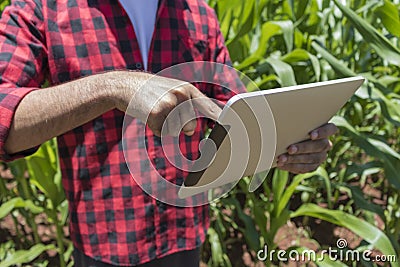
<point x="192" y="48"/>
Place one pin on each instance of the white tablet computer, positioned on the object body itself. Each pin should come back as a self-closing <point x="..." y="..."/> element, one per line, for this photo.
<point x="255" y="128"/>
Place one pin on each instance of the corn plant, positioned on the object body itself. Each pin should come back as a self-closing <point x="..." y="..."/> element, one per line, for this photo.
<point x="284" y="43"/>
<point x="276" y="43"/>
<point x="38" y="191"/>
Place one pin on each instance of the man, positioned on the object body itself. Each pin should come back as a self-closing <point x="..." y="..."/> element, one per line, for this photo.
<point x="112" y="221"/>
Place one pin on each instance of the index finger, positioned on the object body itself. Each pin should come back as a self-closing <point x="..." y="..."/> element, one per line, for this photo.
<point x="204" y="104"/>
<point x="324" y="131"/>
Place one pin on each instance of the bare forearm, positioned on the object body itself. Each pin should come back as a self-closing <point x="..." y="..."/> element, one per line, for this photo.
<point x="50" y="112"/>
<point x="46" y="113"/>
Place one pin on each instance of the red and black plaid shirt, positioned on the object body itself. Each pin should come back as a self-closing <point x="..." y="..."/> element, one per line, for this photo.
<point x="111" y="218"/>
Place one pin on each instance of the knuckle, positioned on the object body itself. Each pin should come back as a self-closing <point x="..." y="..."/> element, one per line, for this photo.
<point x="169" y="99"/>
<point x="156" y="112"/>
<point x="213" y="108"/>
<point x="304" y="147"/>
<point x="290" y="159"/>
<point x="189" y="86"/>
<point x="180" y="92"/>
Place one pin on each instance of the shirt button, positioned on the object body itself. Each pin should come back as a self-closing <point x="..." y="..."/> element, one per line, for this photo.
<point x="139" y="65"/>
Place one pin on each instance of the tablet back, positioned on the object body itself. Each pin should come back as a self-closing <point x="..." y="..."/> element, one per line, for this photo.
<point x="255" y="128"/>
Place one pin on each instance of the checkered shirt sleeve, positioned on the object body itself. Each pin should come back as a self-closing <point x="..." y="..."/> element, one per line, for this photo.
<point x="22" y="54"/>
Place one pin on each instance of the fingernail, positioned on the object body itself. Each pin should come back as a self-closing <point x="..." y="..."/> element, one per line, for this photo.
<point x="314" y="135"/>
<point x="279" y="163"/>
<point x="283" y="159"/>
<point x="190" y="133"/>
<point x="292" y="149"/>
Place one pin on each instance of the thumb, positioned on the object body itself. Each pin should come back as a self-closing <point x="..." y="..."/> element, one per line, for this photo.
<point x="204" y="104"/>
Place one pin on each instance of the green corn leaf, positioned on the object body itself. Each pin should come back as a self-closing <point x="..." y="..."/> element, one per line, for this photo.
<point x="301" y="8"/>
<point x="247" y="19"/>
<point x="389" y="15"/>
<point x="368" y="232"/>
<point x="390" y="109"/>
<point x="273" y="28"/>
<point x="268" y="30"/>
<point x="358" y="196"/>
<point x="25" y="256"/>
<point x="216" y="248"/>
<point x="298" y="55"/>
<point x="375" y="148"/>
<point x="284" y="71"/>
<point x="251" y="60"/>
<point x="288" y="8"/>
<point x="381" y="44"/>
<point x="68" y="252"/>
<point x="250" y="232"/>
<point x="299" y="39"/>
<point x="266" y="80"/>
<point x="286" y="195"/>
<point x="226" y="23"/>
<point x="363" y="170"/>
<point x="288" y="192"/>
<point x="45" y="173"/>
<point x="388" y="80"/>
<point x="18" y="202"/>
<point x="323" y="174"/>
<point x="260" y="217"/>
<point x="279" y="181"/>
<point x="339" y="66"/>
<point x="227" y="261"/>
<point x="3" y="4"/>
<point x="314" y="17"/>
<point x="287" y="28"/>
<point x="225" y="12"/>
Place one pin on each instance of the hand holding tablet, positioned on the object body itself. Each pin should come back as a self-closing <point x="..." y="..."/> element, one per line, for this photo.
<point x="255" y="128"/>
<point x="307" y="156"/>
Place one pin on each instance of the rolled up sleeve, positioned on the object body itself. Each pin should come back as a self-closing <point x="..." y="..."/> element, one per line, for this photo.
<point x="22" y="62"/>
